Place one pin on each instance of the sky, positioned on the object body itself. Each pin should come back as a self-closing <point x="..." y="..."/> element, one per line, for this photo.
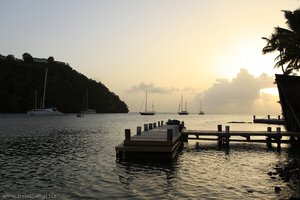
<point x="209" y="51"/>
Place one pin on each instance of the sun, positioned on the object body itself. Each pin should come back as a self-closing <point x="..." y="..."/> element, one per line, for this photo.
<point x="246" y="53"/>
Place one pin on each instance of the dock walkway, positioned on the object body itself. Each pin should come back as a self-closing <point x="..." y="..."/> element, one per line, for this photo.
<point x="165" y="140"/>
<point x="161" y="140"/>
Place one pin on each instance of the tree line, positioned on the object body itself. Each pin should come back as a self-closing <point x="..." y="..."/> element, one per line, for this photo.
<point x="66" y="88"/>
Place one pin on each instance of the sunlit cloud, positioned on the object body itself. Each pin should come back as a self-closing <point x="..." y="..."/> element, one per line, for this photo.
<point x="237" y="95"/>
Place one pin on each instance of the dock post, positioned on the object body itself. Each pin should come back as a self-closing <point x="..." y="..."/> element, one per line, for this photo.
<point x="145" y="127"/>
<point x="169" y="134"/>
<point x="127" y="134"/>
<point x="268" y="138"/>
<point x="138" y="130"/>
<point x="161" y="122"/>
<point x="150" y="126"/>
<point x="278" y="137"/>
<point x="253" y="117"/>
<point x="269" y="117"/>
<point x="278" y="116"/>
<point x="158" y="123"/>
<point x="219" y="137"/>
<point x="154" y="125"/>
<point x="227" y="131"/>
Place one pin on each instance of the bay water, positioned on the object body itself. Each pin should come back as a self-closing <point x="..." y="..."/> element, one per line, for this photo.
<point x="69" y="157"/>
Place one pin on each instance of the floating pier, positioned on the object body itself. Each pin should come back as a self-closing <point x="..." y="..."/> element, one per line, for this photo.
<point x="227" y="136"/>
<point x="165" y="141"/>
<point x="269" y="120"/>
<point x="157" y="140"/>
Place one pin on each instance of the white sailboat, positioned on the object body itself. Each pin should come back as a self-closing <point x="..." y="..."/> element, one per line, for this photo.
<point x="146" y="112"/>
<point x="44" y="111"/>
<point x="88" y="110"/>
<point x="182" y="111"/>
<point x="201" y="111"/>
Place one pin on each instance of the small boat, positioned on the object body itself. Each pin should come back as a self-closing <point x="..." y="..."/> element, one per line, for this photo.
<point x="80" y="115"/>
<point x="146" y="112"/>
<point x="180" y="109"/>
<point x="88" y="110"/>
<point x="44" y="111"/>
<point x="201" y="111"/>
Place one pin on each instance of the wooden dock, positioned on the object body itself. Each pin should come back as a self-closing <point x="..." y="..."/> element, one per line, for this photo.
<point x="227" y="136"/>
<point x="165" y="141"/>
<point x="155" y="141"/>
<point x="269" y="120"/>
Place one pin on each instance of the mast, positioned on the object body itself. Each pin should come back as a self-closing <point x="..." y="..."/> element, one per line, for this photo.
<point x="185" y="106"/>
<point x="180" y="104"/>
<point x="45" y="84"/>
<point x="35" y="100"/>
<point x="146" y="102"/>
<point x="87" y="99"/>
<point x="153" y="106"/>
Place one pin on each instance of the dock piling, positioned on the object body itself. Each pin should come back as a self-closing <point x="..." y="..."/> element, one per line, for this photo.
<point x="227" y="131"/>
<point x="220" y="142"/>
<point x="278" y="137"/>
<point x="138" y="130"/>
<point x="127" y="134"/>
<point x="268" y="138"/>
<point x="150" y="126"/>
<point x="145" y="127"/>
<point x="158" y="123"/>
<point x="154" y="125"/>
<point x="169" y="134"/>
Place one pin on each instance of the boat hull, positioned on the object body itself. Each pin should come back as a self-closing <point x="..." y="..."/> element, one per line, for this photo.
<point x="183" y="113"/>
<point x="147" y="113"/>
<point x="44" y="112"/>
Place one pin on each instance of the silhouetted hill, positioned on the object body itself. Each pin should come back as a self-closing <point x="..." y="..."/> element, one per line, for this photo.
<point x="66" y="88"/>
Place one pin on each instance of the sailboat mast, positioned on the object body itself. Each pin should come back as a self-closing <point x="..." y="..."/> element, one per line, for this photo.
<point x="35" y="100"/>
<point x="87" y="98"/>
<point x="45" y="84"/>
<point x="146" y="102"/>
<point x="153" y="106"/>
<point x="185" y="106"/>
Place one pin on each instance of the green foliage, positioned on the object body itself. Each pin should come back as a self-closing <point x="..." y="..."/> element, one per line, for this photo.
<point x="287" y="43"/>
<point x="65" y="88"/>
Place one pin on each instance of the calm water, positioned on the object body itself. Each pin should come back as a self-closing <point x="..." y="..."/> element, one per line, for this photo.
<point x="74" y="158"/>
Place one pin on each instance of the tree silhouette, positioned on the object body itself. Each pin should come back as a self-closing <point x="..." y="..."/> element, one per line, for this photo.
<point x="50" y="59"/>
<point x="27" y="57"/>
<point x="287" y="42"/>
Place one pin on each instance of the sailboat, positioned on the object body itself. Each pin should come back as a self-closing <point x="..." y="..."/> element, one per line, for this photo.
<point x="201" y="111"/>
<point x="180" y="109"/>
<point x="88" y="110"/>
<point x="44" y="111"/>
<point x="148" y="112"/>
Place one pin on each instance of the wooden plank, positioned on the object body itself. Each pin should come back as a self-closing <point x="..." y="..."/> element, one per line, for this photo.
<point x="240" y="133"/>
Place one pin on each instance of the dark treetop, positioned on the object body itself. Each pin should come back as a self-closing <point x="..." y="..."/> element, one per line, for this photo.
<point x="66" y="88"/>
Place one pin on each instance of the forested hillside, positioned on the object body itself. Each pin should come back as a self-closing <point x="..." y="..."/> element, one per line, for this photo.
<point x="66" y="88"/>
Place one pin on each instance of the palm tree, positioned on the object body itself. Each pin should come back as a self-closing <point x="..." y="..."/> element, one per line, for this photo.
<point x="287" y="42"/>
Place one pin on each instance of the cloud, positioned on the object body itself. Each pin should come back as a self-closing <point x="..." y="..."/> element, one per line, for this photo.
<point x="235" y="96"/>
<point x="142" y="87"/>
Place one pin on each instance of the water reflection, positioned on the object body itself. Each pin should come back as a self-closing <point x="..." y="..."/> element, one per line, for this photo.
<point x="144" y="175"/>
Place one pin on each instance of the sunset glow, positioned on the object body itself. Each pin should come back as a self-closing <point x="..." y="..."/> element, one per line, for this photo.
<point x="175" y="47"/>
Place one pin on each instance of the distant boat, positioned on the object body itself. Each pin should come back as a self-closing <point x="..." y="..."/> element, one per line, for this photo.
<point x="182" y="111"/>
<point x="44" y="111"/>
<point x="201" y="111"/>
<point x="87" y="109"/>
<point x="146" y="112"/>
